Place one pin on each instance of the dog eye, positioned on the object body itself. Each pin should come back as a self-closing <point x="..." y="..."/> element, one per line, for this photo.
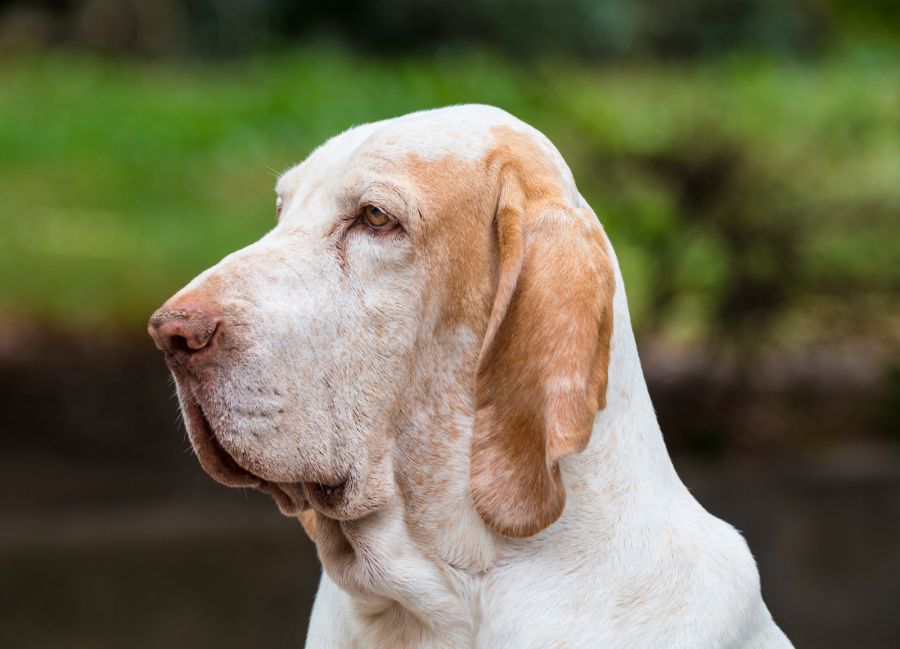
<point x="279" y="203"/>
<point x="377" y="219"/>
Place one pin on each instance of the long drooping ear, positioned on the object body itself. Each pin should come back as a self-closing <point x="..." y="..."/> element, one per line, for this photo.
<point x="542" y="373"/>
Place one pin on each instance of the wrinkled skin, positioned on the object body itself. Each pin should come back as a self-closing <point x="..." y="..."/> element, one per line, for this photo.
<point x="325" y="325"/>
<point x="454" y="404"/>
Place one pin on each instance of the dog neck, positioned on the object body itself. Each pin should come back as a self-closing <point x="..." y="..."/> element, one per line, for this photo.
<point x="426" y="556"/>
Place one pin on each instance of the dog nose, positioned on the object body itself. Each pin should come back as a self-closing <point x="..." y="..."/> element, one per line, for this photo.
<point x="183" y="331"/>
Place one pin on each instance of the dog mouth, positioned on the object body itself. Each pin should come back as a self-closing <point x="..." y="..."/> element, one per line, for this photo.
<point x="292" y="498"/>
<point x="225" y="469"/>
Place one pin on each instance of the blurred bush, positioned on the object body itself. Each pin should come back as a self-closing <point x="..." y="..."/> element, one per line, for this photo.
<point x="525" y="28"/>
<point x="748" y="201"/>
<point x="743" y="154"/>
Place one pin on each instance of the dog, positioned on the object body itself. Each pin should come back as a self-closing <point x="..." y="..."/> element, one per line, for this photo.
<point x="429" y="361"/>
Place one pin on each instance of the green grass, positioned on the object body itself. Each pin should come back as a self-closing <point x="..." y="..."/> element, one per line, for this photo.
<point x="121" y="180"/>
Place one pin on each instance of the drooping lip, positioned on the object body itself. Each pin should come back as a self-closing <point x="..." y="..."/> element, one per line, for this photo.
<point x="223" y="468"/>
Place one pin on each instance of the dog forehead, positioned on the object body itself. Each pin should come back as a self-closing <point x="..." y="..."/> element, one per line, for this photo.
<point x="464" y="132"/>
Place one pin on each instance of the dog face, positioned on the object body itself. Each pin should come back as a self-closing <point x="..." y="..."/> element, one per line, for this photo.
<point x="434" y="266"/>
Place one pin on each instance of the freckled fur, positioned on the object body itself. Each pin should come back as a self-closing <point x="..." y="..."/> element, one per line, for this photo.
<point x="477" y="381"/>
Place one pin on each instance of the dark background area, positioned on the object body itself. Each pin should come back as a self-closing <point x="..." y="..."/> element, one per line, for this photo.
<point x="743" y="156"/>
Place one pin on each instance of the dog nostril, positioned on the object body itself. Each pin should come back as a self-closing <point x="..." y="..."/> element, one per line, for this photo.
<point x="182" y="332"/>
<point x="180" y="344"/>
<point x="187" y="337"/>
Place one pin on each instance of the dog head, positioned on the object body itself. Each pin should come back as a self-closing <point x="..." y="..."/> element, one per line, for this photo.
<point x="441" y="263"/>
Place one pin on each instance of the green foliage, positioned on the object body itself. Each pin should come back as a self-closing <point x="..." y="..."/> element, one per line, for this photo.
<point x="744" y="198"/>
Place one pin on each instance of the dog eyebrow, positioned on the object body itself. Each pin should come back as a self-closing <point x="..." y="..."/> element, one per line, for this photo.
<point x="384" y="193"/>
<point x="387" y="190"/>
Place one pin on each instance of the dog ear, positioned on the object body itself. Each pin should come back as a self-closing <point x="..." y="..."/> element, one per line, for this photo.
<point x="542" y="372"/>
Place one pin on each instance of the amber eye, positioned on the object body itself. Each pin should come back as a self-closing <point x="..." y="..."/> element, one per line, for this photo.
<point x="376" y="218"/>
<point x="279" y="203"/>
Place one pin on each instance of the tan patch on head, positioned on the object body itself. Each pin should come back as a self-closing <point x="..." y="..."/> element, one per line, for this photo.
<point x="457" y="242"/>
<point x="458" y="199"/>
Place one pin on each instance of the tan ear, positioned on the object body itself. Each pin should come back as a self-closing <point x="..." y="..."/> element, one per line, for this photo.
<point x="542" y="374"/>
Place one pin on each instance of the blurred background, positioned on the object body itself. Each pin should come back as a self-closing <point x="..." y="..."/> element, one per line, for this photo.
<point x="743" y="155"/>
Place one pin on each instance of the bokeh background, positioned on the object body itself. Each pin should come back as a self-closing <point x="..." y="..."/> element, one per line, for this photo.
<point x="743" y="155"/>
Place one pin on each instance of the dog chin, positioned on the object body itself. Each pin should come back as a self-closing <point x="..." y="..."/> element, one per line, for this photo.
<point x="224" y="468"/>
<point x="343" y="499"/>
